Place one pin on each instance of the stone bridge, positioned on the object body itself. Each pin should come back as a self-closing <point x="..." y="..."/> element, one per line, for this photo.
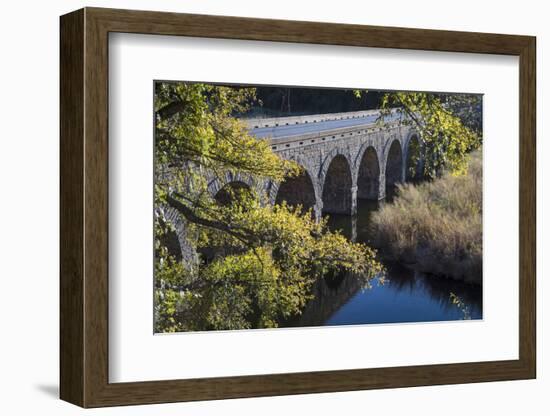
<point x="345" y="157"/>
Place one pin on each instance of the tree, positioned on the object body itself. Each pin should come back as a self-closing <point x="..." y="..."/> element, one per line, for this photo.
<point x="467" y="107"/>
<point x="271" y="255"/>
<point x="449" y="127"/>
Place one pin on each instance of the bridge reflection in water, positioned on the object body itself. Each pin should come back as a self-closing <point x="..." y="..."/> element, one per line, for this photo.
<point x="405" y="295"/>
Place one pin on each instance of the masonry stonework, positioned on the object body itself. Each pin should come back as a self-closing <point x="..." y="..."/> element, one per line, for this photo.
<point x="365" y="154"/>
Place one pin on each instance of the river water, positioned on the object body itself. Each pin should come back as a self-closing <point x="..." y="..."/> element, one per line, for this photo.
<point x="403" y="295"/>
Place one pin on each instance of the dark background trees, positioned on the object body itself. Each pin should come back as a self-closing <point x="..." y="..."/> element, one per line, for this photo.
<point x="284" y="101"/>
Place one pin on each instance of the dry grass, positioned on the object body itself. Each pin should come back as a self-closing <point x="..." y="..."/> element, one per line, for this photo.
<point x="436" y="227"/>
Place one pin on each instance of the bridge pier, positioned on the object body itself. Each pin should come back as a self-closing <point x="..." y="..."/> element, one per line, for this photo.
<point x="353" y="210"/>
<point x="318" y="210"/>
<point x="353" y="236"/>
<point x="382" y="186"/>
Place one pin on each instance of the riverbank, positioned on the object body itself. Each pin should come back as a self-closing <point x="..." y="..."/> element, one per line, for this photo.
<point x="436" y="227"/>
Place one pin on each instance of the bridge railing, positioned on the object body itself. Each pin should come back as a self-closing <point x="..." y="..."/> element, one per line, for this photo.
<point x="256" y="123"/>
<point x="325" y="136"/>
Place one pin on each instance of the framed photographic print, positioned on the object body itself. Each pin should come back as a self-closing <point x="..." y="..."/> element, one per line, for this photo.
<point x="256" y="207"/>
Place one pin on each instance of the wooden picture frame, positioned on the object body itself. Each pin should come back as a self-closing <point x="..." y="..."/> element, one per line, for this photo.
<point x="84" y="207"/>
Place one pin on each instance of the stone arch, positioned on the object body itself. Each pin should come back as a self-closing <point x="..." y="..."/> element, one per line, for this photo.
<point x="216" y="183"/>
<point x="179" y="239"/>
<point x="368" y="176"/>
<point x="171" y="241"/>
<point x="230" y="191"/>
<point x="297" y="190"/>
<point x="413" y="158"/>
<point x="337" y="194"/>
<point x="394" y="165"/>
<point x="329" y="157"/>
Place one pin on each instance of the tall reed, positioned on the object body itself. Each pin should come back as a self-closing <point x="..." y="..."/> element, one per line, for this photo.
<point x="436" y="227"/>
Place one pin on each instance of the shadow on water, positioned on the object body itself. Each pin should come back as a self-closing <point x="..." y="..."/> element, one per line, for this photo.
<point x="403" y="295"/>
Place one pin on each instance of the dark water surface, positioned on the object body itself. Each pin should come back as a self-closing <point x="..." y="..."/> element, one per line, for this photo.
<point x="403" y="295"/>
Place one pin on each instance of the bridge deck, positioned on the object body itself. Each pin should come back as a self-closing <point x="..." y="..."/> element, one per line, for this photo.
<point x="315" y="124"/>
